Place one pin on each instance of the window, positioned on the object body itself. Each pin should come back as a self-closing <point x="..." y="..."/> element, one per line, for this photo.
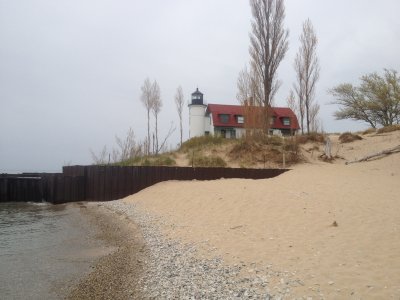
<point x="223" y="133"/>
<point x="286" y="121"/>
<point x="272" y="121"/>
<point x="224" y="118"/>
<point x="240" y="119"/>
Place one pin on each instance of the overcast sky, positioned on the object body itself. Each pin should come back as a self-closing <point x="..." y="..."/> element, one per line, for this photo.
<point x="71" y="70"/>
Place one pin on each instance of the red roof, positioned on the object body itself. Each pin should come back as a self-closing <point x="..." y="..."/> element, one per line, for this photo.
<point x="237" y="110"/>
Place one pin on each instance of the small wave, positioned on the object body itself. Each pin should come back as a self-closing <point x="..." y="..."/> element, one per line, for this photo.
<point x="43" y="203"/>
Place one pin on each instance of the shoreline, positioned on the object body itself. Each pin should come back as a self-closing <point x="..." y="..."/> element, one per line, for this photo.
<point x="190" y="259"/>
<point x="321" y="231"/>
<point x="45" y="249"/>
<point x="146" y="264"/>
<point x="174" y="269"/>
<point x="117" y="274"/>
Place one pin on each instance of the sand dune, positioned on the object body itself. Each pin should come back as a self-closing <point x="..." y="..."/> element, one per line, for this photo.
<point x="334" y="227"/>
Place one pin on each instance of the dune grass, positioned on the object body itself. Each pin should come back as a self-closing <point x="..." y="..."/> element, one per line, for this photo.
<point x="388" y="128"/>
<point x="348" y="137"/>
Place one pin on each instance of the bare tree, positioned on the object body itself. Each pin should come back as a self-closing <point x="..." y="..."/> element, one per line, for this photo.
<point x="164" y="142"/>
<point x="245" y="95"/>
<point x="268" y="46"/>
<point x="147" y="100"/>
<point x="291" y="102"/>
<point x="299" y="88"/>
<point x="128" y="148"/>
<point x="244" y="86"/>
<point x="315" y="122"/>
<point x="156" y="108"/>
<point x="248" y="95"/>
<point x="307" y="72"/>
<point x="179" y="101"/>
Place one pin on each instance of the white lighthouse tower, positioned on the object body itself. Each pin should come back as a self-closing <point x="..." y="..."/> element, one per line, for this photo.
<point x="196" y="114"/>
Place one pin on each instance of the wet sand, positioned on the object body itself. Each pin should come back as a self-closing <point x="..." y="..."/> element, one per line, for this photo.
<point x="45" y="249"/>
<point x="115" y="275"/>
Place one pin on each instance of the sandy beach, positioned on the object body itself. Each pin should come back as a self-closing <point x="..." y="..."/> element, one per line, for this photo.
<point x="321" y="230"/>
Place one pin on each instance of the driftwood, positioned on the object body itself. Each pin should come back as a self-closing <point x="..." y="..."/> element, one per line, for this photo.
<point x="328" y="146"/>
<point x="384" y="152"/>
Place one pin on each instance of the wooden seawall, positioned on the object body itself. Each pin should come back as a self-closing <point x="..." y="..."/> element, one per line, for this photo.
<point x="105" y="183"/>
<point x="38" y="187"/>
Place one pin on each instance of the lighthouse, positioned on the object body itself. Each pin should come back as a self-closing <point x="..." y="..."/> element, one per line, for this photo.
<point x="197" y="110"/>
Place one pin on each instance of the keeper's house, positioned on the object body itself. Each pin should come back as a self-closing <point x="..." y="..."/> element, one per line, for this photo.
<point x="229" y="120"/>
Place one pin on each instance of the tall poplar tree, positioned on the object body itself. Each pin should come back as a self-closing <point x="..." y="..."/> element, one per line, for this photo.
<point x="307" y="74"/>
<point x="147" y="100"/>
<point x="268" y="46"/>
<point x="179" y="101"/>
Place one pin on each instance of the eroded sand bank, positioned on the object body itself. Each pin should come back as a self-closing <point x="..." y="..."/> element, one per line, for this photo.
<point x="326" y="231"/>
<point x="333" y="228"/>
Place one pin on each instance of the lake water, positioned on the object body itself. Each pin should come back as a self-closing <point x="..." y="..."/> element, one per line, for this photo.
<point x="44" y="250"/>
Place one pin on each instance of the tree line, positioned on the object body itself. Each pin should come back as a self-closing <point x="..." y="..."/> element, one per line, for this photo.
<point x="258" y="83"/>
<point x="151" y="100"/>
<point x="129" y="147"/>
<point x="375" y="101"/>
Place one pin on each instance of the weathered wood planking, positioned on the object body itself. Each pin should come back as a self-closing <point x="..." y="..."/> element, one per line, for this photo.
<point x="105" y="183"/>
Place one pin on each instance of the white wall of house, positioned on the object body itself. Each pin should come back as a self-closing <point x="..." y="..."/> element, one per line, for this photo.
<point x="196" y="120"/>
<point x="207" y="124"/>
<point x="230" y="132"/>
<point x="200" y="123"/>
<point x="240" y="132"/>
<point x="212" y="131"/>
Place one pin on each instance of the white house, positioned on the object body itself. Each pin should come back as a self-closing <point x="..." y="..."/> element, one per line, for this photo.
<point x="228" y="120"/>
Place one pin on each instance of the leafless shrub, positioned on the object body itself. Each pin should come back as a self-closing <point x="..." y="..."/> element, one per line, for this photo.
<point x="252" y="151"/>
<point x="163" y="145"/>
<point x="312" y="137"/>
<point x="369" y="131"/>
<point x="102" y="158"/>
<point x="127" y="148"/>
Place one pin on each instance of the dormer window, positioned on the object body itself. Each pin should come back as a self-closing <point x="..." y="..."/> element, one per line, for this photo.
<point x="286" y="121"/>
<point x="240" y="119"/>
<point x="224" y="118"/>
